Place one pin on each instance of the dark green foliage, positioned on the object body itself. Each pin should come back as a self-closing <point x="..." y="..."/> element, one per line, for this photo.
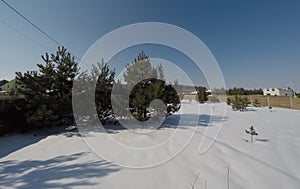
<point x="228" y="101"/>
<point x="239" y="103"/>
<point x="48" y="92"/>
<point x="171" y="99"/>
<point x="104" y="86"/>
<point x="242" y="91"/>
<point x="94" y="89"/>
<point x="251" y="132"/>
<point x="202" y="95"/>
<point x="146" y="91"/>
<point x="146" y="84"/>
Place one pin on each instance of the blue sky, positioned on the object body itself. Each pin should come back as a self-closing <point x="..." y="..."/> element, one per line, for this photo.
<point x="256" y="43"/>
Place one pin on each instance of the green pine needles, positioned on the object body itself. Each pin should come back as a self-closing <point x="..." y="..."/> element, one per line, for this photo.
<point x="251" y="132"/>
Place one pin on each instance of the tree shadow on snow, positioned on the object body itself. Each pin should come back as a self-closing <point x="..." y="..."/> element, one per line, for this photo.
<point x="262" y="139"/>
<point x="190" y="120"/>
<point x="12" y="143"/>
<point x="57" y="172"/>
<point x="175" y="121"/>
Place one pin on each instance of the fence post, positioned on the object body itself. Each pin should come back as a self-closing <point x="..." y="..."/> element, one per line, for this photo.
<point x="268" y="99"/>
<point x="251" y="101"/>
<point x="291" y="102"/>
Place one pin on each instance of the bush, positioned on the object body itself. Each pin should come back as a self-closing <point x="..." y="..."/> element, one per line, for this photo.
<point x="239" y="103"/>
<point x="228" y="101"/>
<point x="202" y="95"/>
<point x="256" y="103"/>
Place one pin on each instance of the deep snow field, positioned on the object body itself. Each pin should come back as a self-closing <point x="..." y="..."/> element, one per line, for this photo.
<point x="183" y="153"/>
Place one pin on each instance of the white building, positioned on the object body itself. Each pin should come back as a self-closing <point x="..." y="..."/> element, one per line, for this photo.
<point x="279" y="91"/>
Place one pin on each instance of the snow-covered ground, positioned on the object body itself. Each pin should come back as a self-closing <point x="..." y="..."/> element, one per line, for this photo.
<point x="64" y="160"/>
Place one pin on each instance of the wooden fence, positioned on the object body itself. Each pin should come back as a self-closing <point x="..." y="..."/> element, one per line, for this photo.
<point x="273" y="101"/>
<point x="269" y="101"/>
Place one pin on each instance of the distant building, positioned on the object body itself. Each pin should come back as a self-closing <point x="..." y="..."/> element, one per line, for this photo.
<point x="2" y="82"/>
<point x="9" y="87"/>
<point x="278" y="92"/>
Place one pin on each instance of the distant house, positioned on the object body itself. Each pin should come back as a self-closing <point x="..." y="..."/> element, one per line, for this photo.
<point x="278" y="91"/>
<point x="9" y="87"/>
<point x="2" y="82"/>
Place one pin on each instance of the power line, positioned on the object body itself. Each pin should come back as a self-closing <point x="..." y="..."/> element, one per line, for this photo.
<point x="24" y="35"/>
<point x="35" y="26"/>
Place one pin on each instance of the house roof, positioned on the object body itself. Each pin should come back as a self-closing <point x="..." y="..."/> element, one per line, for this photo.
<point x="8" y="86"/>
<point x="2" y="82"/>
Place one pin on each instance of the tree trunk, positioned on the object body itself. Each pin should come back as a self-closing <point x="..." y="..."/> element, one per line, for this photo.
<point x="145" y="113"/>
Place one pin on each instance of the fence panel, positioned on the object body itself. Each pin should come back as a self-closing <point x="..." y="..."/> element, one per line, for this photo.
<point x="273" y="101"/>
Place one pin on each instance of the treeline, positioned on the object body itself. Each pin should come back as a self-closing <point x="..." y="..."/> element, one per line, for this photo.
<point x="242" y="91"/>
<point x="48" y="91"/>
<point x="202" y="93"/>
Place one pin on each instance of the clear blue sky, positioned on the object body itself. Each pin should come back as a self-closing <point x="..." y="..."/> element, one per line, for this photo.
<point x="256" y="43"/>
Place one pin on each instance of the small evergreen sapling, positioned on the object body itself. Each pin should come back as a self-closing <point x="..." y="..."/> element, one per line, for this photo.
<point x="270" y="108"/>
<point x="256" y="103"/>
<point x="228" y="101"/>
<point x="252" y="132"/>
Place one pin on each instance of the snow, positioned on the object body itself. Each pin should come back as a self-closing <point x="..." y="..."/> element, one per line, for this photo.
<point x="65" y="160"/>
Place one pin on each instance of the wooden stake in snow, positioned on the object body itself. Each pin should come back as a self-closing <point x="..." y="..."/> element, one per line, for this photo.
<point x="251" y="132"/>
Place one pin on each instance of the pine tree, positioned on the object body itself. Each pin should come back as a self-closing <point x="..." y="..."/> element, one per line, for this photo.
<point x="239" y="103"/>
<point x="145" y="83"/>
<point x="94" y="89"/>
<point x="252" y="132"/>
<point x="228" y="101"/>
<point x="202" y="95"/>
<point x="48" y="92"/>
<point x="256" y="103"/>
<point x="105" y="82"/>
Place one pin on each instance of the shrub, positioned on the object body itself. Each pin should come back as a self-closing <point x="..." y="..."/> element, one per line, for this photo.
<point x="239" y="103"/>
<point x="228" y="101"/>
<point x="256" y="103"/>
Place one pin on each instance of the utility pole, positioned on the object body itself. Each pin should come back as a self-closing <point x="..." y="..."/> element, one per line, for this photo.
<point x="294" y="93"/>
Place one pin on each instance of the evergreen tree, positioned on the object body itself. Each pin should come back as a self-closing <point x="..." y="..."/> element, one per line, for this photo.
<point x="94" y="89"/>
<point x="146" y="84"/>
<point x="202" y="95"/>
<point x="242" y="91"/>
<point x="239" y="103"/>
<point x="105" y="82"/>
<point x="48" y="92"/>
<point x="228" y="101"/>
<point x="256" y="103"/>
<point x="251" y="132"/>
